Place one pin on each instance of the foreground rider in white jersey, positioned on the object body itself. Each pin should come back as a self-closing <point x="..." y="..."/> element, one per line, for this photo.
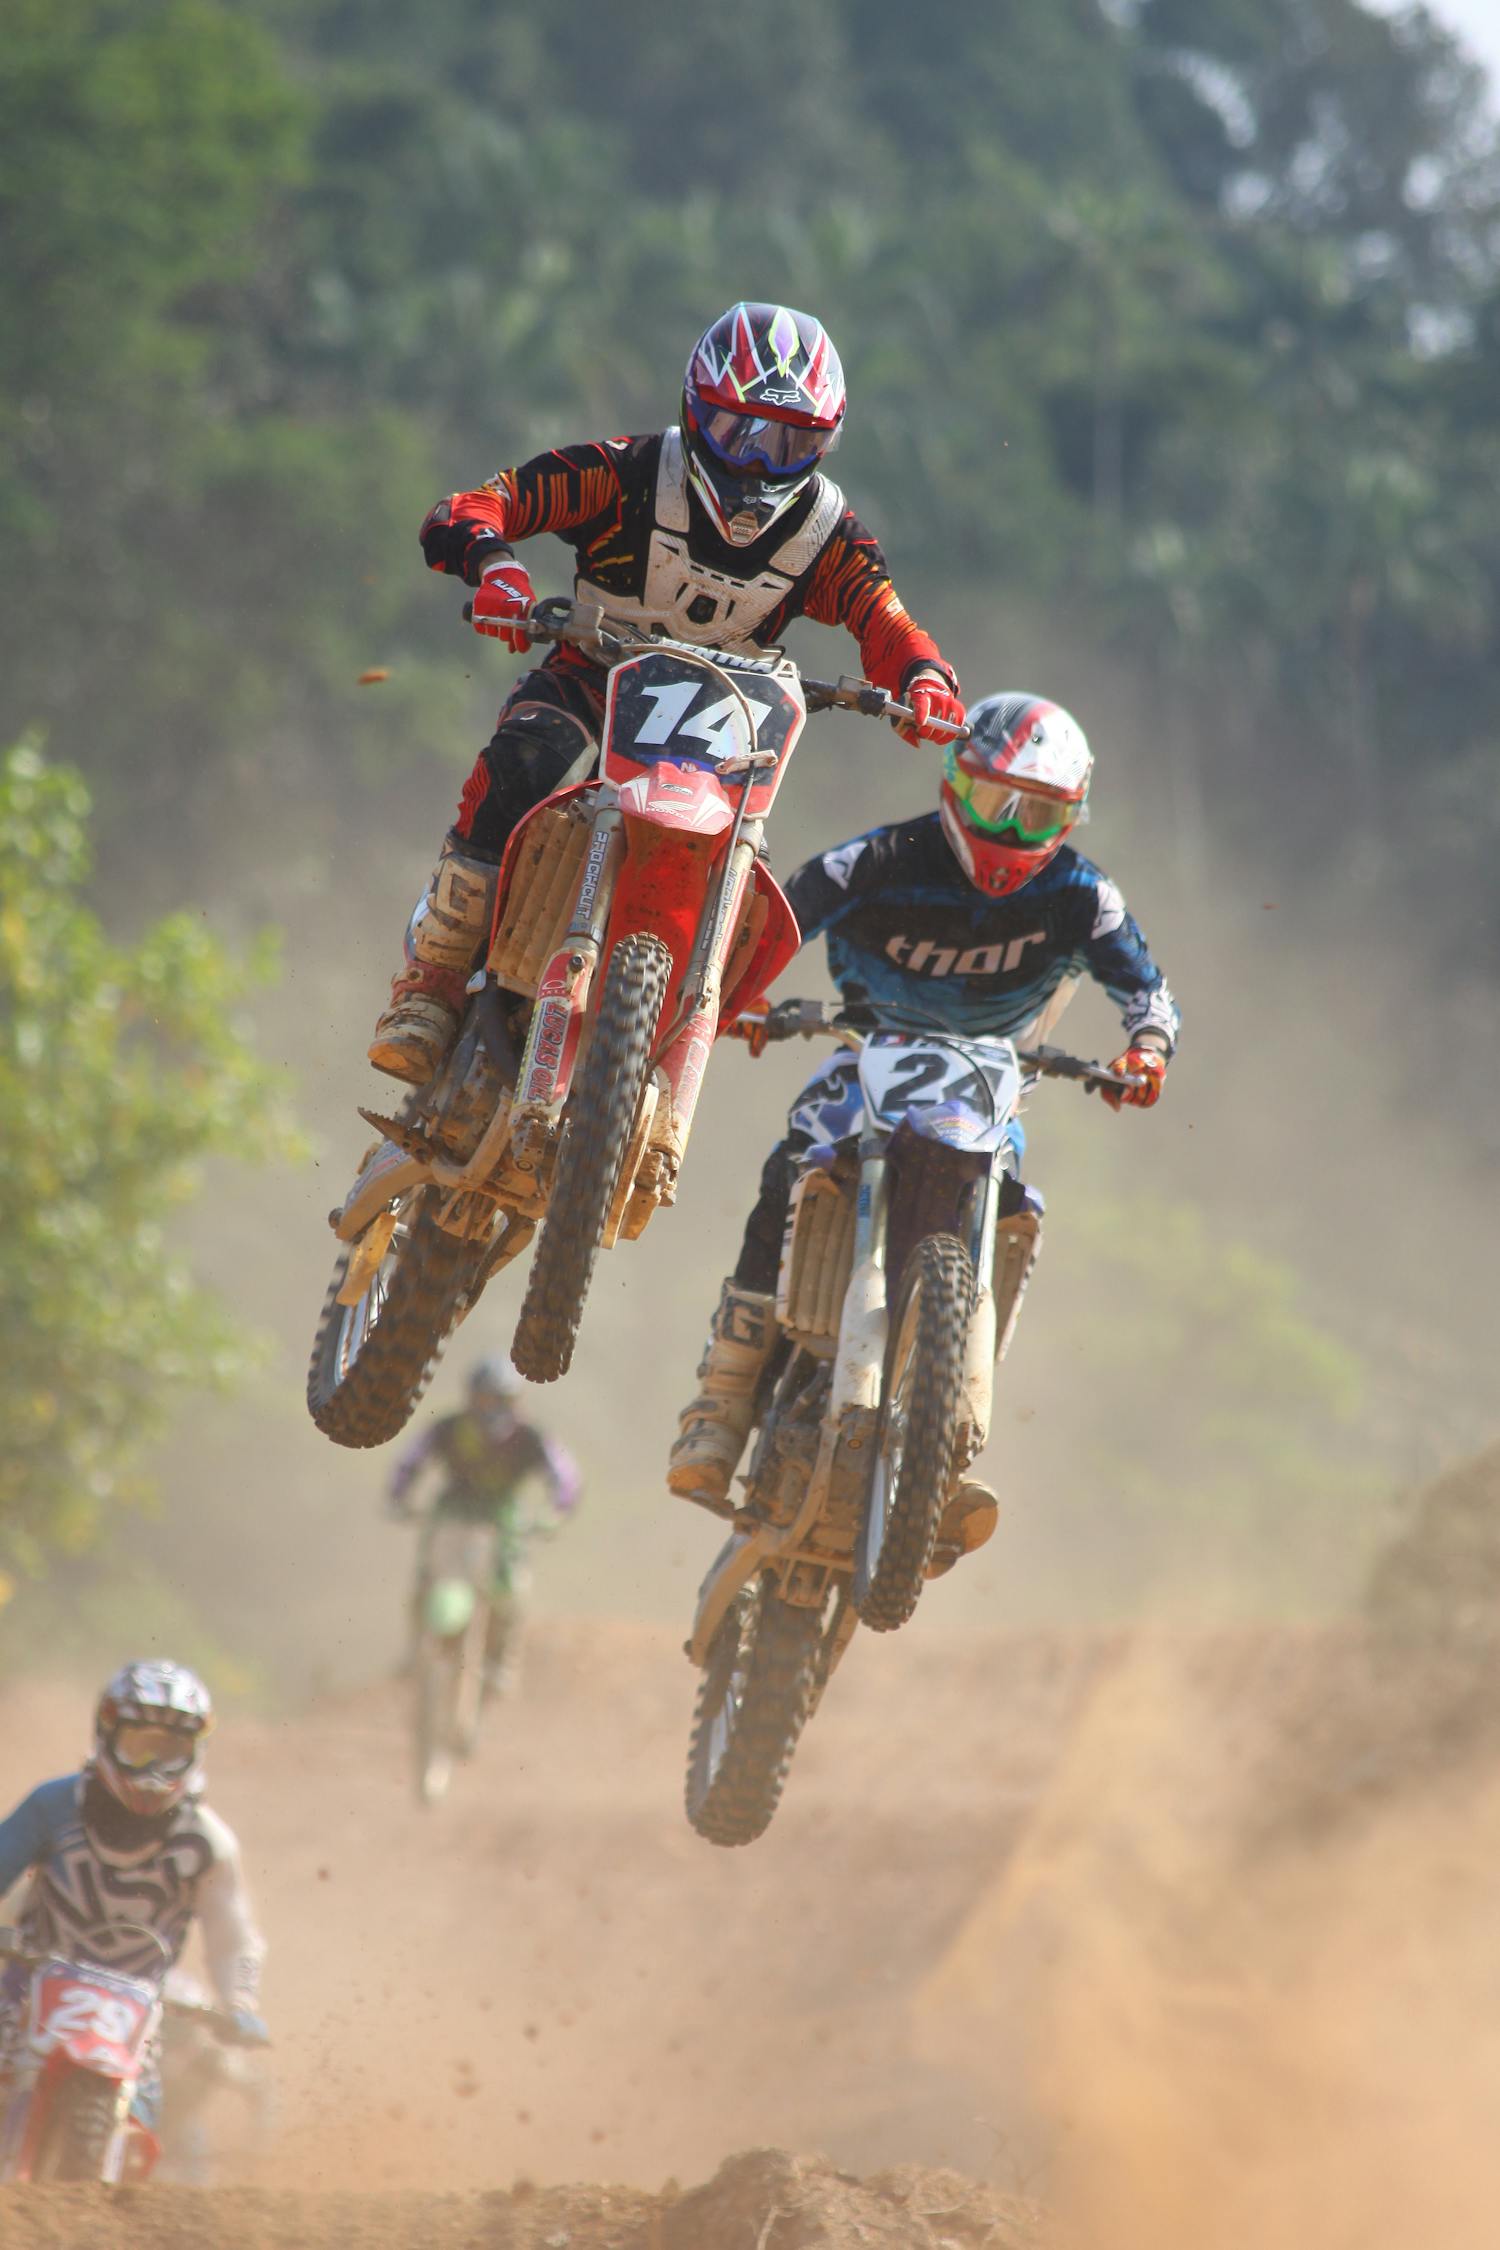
<point x="123" y="1856"/>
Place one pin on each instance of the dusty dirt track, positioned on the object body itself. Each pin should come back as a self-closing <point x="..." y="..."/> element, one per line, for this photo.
<point x="1148" y="1932"/>
<point x="762" y="2198"/>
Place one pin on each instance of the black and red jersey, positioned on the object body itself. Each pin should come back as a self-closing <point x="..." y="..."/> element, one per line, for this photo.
<point x="644" y="545"/>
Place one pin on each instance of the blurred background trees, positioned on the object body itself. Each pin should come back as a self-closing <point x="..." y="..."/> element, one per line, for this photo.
<point x="1182" y="315"/>
<point x="121" y="1069"/>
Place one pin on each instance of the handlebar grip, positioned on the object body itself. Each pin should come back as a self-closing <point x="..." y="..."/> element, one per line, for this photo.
<point x="468" y="613"/>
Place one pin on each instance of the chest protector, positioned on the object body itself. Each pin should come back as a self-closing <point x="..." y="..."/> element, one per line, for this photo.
<point x="691" y="601"/>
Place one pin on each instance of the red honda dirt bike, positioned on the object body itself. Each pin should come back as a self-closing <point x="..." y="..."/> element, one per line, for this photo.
<point x="633" y="914"/>
<point x="88" y="2038"/>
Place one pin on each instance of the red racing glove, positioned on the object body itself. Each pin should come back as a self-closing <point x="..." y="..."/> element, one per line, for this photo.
<point x="937" y="710"/>
<point x="749" y="1024"/>
<point x="1149" y="1061"/>
<point x="505" y="595"/>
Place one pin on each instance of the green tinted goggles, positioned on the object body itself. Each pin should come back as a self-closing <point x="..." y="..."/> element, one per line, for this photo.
<point x="1001" y="809"/>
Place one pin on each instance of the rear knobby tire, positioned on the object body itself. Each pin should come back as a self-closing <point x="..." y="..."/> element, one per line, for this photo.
<point x="913" y="1470"/>
<point x="758" y="1688"/>
<point x="601" y="1122"/>
<point x="372" y="1361"/>
<point x="80" y="2129"/>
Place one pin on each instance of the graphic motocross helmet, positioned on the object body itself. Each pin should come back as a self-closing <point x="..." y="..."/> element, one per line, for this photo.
<point x="148" y="1727"/>
<point x="762" y="402"/>
<point x="1013" y="791"/>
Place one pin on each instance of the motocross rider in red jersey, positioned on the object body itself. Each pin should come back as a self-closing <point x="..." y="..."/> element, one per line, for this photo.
<point x="720" y="530"/>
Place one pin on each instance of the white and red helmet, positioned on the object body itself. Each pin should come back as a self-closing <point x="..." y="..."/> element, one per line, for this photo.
<point x="149" y="1727"/>
<point x="762" y="401"/>
<point x="1012" y="792"/>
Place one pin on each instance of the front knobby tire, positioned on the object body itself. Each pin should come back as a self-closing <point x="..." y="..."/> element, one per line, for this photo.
<point x="757" y="1692"/>
<point x="601" y="1120"/>
<point x="372" y="1361"/>
<point x="80" y="2129"/>
<point x="913" y="1470"/>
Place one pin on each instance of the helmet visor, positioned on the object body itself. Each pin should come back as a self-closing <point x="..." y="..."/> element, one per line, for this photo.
<point x="135" y="1745"/>
<point x="758" y="441"/>
<point x="1022" y="816"/>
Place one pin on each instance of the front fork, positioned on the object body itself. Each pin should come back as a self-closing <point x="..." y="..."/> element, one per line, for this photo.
<point x="562" y="997"/>
<point x="689" y="1040"/>
<point x="1002" y="1252"/>
<point x="552" y="1042"/>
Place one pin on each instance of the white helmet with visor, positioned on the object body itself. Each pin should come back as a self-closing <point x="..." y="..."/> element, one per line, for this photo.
<point x="1013" y="791"/>
<point x="149" y="1727"/>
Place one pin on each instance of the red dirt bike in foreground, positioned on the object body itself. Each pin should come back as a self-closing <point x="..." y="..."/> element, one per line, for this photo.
<point x="632" y="913"/>
<point x="89" y="2037"/>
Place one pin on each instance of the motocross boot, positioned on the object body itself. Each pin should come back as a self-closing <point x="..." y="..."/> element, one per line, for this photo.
<point x="714" y="1427"/>
<point x="447" y="930"/>
<point x="967" y="1522"/>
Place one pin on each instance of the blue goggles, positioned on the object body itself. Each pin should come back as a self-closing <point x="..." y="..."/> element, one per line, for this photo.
<point x="759" y="441"/>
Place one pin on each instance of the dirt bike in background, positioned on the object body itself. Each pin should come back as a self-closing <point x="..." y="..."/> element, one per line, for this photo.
<point x="474" y="1581"/>
<point x="89" y="2036"/>
<point x="631" y="911"/>
<point x="880" y="1398"/>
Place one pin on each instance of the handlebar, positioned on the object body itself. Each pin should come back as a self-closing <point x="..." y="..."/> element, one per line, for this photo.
<point x="206" y="2011"/>
<point x="610" y="640"/>
<point x="808" y="1019"/>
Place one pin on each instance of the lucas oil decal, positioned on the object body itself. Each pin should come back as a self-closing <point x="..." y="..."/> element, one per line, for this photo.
<point x="553" y="1019"/>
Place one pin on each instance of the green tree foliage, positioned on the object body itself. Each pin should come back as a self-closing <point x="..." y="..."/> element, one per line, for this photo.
<point x="121" y="1068"/>
<point x="1262" y="1453"/>
<point x="1180" y="310"/>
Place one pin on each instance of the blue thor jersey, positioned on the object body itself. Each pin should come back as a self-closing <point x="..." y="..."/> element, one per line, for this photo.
<point x="906" y="931"/>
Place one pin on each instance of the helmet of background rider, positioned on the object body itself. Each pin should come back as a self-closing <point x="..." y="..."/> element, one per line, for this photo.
<point x="149" y="1727"/>
<point x="1012" y="792"/>
<point x="492" y="1383"/>
<point x="762" y="402"/>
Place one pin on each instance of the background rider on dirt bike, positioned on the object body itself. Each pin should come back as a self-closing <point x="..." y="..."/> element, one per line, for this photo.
<point x="125" y="1848"/>
<point x="979" y="918"/>
<point x="719" y="530"/>
<point x="486" y="1454"/>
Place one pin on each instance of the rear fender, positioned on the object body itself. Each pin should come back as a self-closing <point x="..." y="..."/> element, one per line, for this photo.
<point x="730" y="1572"/>
<point x="386" y="1173"/>
<point x="140" y="2155"/>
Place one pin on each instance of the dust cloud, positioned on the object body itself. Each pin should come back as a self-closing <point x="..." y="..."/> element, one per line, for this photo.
<point x="1245" y="1958"/>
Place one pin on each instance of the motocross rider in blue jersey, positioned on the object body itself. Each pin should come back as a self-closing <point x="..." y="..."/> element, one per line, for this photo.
<point x="123" y="1856"/>
<point x="979" y="918"/>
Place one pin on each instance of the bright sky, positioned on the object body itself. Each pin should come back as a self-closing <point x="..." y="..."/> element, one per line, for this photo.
<point x="1477" y="23"/>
